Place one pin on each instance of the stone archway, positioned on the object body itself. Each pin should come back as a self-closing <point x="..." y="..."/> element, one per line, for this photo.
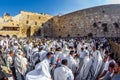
<point x="28" y="32"/>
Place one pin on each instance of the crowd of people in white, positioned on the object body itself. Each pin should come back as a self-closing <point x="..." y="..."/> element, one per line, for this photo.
<point x="57" y="59"/>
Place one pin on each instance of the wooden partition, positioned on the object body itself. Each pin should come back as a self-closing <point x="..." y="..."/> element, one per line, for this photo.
<point x="116" y="49"/>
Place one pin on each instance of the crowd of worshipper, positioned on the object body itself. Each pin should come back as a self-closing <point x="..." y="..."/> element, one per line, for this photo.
<point x="57" y="59"/>
<point x="116" y="40"/>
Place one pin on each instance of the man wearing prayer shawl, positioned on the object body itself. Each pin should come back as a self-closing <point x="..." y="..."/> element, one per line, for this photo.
<point x="81" y="58"/>
<point x="42" y="70"/>
<point x="32" y="53"/>
<point x="85" y="67"/>
<point x="83" y="74"/>
<point x="97" y="62"/>
<point x="79" y="46"/>
<point x="21" y="65"/>
<point x="71" y="62"/>
<point x="63" y="72"/>
<point x="42" y="53"/>
<point x="28" y="48"/>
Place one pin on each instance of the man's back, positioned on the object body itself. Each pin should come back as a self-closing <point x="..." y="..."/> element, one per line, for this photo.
<point x="63" y="73"/>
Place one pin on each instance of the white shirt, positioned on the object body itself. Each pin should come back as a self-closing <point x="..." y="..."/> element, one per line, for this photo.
<point x="63" y="73"/>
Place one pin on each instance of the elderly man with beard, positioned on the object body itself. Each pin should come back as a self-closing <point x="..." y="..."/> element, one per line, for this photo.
<point x="117" y="71"/>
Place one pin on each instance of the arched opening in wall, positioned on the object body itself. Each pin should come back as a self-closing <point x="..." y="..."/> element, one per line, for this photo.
<point x="27" y="22"/>
<point x="103" y="11"/>
<point x="116" y="25"/>
<point x="68" y="35"/>
<point x="28" y="32"/>
<point x="42" y="24"/>
<point x="63" y="26"/>
<point x="95" y="24"/>
<point x="105" y="28"/>
<point x="7" y="36"/>
<point x="59" y="29"/>
<point x="39" y="17"/>
<point x="78" y="35"/>
<point x="90" y="34"/>
<point x="39" y="32"/>
<point x="14" y="36"/>
<point x="59" y="36"/>
<point x="104" y="24"/>
<point x="35" y="23"/>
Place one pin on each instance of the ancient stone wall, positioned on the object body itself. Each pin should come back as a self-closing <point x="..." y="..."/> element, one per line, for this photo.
<point x="102" y="21"/>
<point x="28" y="22"/>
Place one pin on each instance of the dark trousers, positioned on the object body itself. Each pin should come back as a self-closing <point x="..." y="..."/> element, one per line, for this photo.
<point x="13" y="72"/>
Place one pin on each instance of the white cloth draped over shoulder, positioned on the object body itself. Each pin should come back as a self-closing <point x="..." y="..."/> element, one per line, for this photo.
<point x="72" y="63"/>
<point x="20" y="64"/>
<point x="41" y="71"/>
<point x="63" y="73"/>
<point x="42" y="54"/>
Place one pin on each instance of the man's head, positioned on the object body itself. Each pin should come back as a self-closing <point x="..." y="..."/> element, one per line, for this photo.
<point x="82" y="49"/>
<point x="72" y="53"/>
<point x="111" y="66"/>
<point x="105" y="58"/>
<point x="94" y="48"/>
<point x="86" y="48"/>
<point x="107" y="53"/>
<point x="58" y="49"/>
<point x="102" y="48"/>
<point x="52" y="49"/>
<point x="117" y="66"/>
<point x="40" y="48"/>
<point x="49" y="55"/>
<point x="65" y="62"/>
<point x="11" y="53"/>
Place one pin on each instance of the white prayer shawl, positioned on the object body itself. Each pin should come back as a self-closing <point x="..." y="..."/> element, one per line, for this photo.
<point x="71" y="44"/>
<point x="6" y="43"/>
<point x="42" y="54"/>
<point x="63" y="73"/>
<point x="65" y="50"/>
<point x="34" y="50"/>
<point x="85" y="69"/>
<point x="97" y="64"/>
<point x="20" y="64"/>
<point x="62" y="56"/>
<point x="2" y="42"/>
<point x="34" y="58"/>
<point x="102" y="53"/>
<point x="59" y="55"/>
<point x="28" y="48"/>
<point x="72" y="63"/>
<point x="41" y="72"/>
<point x="79" y="46"/>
